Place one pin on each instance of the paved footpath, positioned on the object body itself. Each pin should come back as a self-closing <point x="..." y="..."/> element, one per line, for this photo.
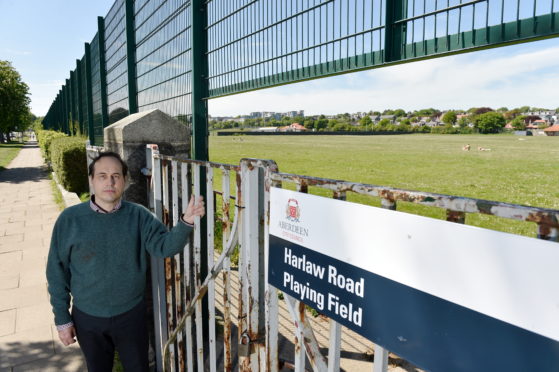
<point x="28" y="339"/>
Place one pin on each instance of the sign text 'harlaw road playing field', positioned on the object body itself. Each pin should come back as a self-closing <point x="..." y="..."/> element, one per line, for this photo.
<point x="445" y="296"/>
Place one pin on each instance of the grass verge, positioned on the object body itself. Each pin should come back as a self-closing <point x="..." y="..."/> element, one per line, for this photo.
<point x="8" y="151"/>
<point x="56" y="194"/>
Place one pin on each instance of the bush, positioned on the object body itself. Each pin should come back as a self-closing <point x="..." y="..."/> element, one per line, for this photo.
<point x="45" y="138"/>
<point x="69" y="162"/>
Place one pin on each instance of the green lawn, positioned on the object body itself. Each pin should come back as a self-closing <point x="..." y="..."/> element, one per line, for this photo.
<point x="8" y="151"/>
<point x="522" y="170"/>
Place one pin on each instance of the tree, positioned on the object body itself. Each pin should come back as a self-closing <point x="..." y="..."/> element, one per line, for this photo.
<point x="366" y="121"/>
<point x="482" y="110"/>
<point x="308" y="123"/>
<point x="512" y="113"/>
<point x="531" y="118"/>
<point x="426" y="112"/>
<point x="14" y="101"/>
<point x="383" y="124"/>
<point x="321" y="123"/>
<point x="518" y="123"/>
<point x="399" y="112"/>
<point x="449" y="117"/>
<point x="490" y="122"/>
<point x="463" y="122"/>
<point x="332" y="123"/>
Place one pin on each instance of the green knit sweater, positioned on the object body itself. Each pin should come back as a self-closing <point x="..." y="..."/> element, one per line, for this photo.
<point x="101" y="259"/>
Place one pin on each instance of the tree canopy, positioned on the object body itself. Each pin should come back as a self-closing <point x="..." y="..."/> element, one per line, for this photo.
<point x="490" y="122"/>
<point x="450" y="117"/>
<point x="14" y="101"/>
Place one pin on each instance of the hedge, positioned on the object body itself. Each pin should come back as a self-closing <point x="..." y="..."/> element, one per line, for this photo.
<point x="69" y="162"/>
<point x="45" y="138"/>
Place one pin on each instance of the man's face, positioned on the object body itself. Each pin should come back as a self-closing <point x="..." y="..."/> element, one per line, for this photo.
<point x="107" y="181"/>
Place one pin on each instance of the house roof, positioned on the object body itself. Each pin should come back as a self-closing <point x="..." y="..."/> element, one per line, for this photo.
<point x="553" y="128"/>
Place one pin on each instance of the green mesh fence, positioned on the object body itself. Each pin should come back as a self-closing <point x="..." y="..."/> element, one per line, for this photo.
<point x="253" y="44"/>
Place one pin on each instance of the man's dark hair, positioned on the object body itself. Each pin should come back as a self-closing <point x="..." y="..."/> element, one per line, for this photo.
<point x="108" y="154"/>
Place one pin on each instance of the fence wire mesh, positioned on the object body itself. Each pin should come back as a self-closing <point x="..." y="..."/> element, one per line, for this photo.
<point x="253" y="44"/>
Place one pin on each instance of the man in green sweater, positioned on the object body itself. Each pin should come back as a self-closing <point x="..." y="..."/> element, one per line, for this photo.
<point x="98" y="258"/>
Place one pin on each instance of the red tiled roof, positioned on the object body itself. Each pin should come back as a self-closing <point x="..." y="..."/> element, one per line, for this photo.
<point x="553" y="128"/>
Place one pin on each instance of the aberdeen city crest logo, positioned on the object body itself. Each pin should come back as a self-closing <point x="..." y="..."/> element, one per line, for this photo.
<point x="293" y="211"/>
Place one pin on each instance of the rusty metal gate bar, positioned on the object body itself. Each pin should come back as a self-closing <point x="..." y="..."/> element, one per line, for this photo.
<point x="258" y="314"/>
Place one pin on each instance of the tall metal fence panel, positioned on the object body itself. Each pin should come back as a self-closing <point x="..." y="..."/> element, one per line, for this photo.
<point x="97" y="124"/>
<point x="116" y="63"/>
<point x="142" y="55"/>
<point x="163" y="53"/>
<point x="84" y="120"/>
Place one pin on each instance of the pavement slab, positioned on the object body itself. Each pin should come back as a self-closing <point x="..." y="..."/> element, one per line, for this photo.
<point x="21" y="297"/>
<point x="7" y="322"/>
<point x="9" y="281"/>
<point x="35" y="316"/>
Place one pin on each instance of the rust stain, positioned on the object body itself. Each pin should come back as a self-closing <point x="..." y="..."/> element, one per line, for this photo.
<point x="302" y="312"/>
<point x="297" y="344"/>
<point x="544" y="219"/>
<point x="182" y="354"/>
<point x="454" y="216"/>
<point x="228" y="364"/>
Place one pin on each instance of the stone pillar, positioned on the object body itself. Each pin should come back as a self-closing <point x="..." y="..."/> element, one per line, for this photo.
<point x="129" y="136"/>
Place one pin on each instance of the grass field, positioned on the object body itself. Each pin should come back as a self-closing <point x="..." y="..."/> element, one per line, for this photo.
<point x="8" y="151"/>
<point x="521" y="170"/>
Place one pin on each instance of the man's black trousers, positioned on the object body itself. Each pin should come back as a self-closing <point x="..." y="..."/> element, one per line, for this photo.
<point x="99" y="337"/>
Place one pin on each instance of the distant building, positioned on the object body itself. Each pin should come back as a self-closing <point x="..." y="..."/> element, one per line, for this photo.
<point x="389" y="117"/>
<point x="266" y="129"/>
<point x="552" y="130"/>
<point x="274" y="115"/>
<point x="295" y="127"/>
<point x="293" y="114"/>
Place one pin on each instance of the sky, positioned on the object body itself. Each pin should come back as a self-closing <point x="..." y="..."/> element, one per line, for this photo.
<point x="43" y="39"/>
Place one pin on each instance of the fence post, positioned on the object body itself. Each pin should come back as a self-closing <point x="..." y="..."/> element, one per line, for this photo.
<point x="157" y="265"/>
<point x="73" y="113"/>
<point x="394" y="36"/>
<point x="198" y="39"/>
<point x="89" y="93"/>
<point x="102" y="71"/>
<point x="131" y="57"/>
<point x="271" y="361"/>
<point x="252" y="275"/>
<point x="67" y="104"/>
<point x="78" y="76"/>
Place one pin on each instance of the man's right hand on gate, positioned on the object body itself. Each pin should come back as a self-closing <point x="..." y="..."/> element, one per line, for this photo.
<point x="67" y="336"/>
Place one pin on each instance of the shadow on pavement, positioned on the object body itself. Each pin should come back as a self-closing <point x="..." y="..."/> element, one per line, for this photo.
<point x="20" y="175"/>
<point x="38" y="356"/>
<point x="25" y="174"/>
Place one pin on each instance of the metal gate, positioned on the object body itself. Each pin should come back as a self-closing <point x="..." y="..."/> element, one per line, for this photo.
<point x="241" y="330"/>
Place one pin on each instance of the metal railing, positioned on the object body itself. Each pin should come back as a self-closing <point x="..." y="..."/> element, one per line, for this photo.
<point x="185" y="342"/>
